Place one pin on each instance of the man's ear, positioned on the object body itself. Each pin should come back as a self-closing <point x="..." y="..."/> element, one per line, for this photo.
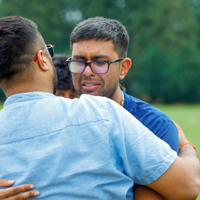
<point x="42" y="61"/>
<point x="125" y="66"/>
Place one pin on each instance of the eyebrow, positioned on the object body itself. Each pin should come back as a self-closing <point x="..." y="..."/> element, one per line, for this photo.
<point x="92" y="57"/>
<point x="79" y="57"/>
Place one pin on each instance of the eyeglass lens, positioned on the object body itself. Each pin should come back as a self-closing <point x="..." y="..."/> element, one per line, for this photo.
<point x="98" y="67"/>
<point x="51" y="50"/>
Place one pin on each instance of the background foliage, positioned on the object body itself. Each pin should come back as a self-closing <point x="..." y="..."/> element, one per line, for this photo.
<point x="164" y="39"/>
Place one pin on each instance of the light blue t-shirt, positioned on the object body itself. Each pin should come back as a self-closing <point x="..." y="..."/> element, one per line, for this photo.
<point x="87" y="148"/>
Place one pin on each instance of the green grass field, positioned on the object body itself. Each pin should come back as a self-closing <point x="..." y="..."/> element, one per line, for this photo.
<point x="188" y="117"/>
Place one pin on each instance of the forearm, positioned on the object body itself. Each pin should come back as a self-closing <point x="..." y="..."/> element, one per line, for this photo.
<point x="190" y="160"/>
<point x="178" y="182"/>
<point x="189" y="155"/>
<point x="188" y="152"/>
<point x="182" y="180"/>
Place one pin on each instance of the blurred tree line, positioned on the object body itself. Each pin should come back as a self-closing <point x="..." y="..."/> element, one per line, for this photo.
<point x="164" y="40"/>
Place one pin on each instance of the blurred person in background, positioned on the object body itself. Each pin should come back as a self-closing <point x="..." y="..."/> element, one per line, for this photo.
<point x="65" y="86"/>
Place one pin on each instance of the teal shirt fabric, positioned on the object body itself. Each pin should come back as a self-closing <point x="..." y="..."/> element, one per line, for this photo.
<point x="87" y="148"/>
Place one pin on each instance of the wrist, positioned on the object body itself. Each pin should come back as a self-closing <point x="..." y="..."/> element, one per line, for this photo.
<point x="187" y="143"/>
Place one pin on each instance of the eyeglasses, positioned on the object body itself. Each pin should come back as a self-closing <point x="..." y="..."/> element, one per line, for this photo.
<point x="50" y="48"/>
<point x="97" y="66"/>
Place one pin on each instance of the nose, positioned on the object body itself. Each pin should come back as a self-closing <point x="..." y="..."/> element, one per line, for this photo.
<point x="88" y="71"/>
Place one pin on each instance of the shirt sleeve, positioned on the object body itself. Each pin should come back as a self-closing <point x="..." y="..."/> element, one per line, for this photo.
<point x="166" y="130"/>
<point x="145" y="157"/>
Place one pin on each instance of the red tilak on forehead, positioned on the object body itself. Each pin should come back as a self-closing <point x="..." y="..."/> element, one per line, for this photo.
<point x="88" y="51"/>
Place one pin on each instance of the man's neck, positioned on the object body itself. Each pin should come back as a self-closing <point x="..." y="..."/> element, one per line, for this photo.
<point x="24" y="88"/>
<point x="118" y="97"/>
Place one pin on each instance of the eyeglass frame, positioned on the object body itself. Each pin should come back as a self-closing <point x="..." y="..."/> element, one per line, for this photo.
<point x="48" y="46"/>
<point x="89" y="64"/>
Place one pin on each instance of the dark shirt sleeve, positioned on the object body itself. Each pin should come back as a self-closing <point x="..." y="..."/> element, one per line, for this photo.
<point x="165" y="130"/>
<point x="154" y="119"/>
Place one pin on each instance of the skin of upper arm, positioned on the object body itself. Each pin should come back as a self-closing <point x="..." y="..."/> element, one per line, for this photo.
<point x="176" y="183"/>
<point x="142" y="192"/>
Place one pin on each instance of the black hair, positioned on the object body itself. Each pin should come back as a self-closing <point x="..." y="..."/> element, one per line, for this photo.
<point x="18" y="37"/>
<point x="63" y="74"/>
<point x="101" y="28"/>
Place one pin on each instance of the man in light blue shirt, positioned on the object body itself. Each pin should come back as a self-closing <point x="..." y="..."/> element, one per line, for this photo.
<point x="79" y="145"/>
<point x="87" y="148"/>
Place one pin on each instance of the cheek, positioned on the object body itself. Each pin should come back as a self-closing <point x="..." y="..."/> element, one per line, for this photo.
<point x="75" y="79"/>
<point x="111" y="78"/>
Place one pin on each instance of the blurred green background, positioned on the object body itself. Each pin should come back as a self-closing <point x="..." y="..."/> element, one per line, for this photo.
<point x="164" y="40"/>
<point x="164" y="47"/>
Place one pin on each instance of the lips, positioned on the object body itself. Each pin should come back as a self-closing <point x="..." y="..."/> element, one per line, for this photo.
<point x="90" y="85"/>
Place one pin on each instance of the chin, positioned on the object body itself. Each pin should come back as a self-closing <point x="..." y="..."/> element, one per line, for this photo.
<point x="91" y="93"/>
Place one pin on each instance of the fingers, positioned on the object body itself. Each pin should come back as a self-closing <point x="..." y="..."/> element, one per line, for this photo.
<point x="5" y="183"/>
<point x="25" y="195"/>
<point x="7" y="194"/>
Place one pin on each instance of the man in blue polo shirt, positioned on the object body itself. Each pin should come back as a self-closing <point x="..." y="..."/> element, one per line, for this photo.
<point x="99" y="61"/>
<point x="104" y="43"/>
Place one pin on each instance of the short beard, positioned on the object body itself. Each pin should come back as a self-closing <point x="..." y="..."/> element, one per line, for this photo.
<point x="55" y="77"/>
<point x="103" y="93"/>
<point x="55" y="81"/>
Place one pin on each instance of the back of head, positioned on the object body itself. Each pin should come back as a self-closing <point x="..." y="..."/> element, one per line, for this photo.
<point x="63" y="74"/>
<point x="18" y="45"/>
<point x="105" y="29"/>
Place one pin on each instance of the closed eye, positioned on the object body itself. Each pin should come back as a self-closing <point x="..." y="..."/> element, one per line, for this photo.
<point x="100" y="62"/>
<point x="78" y="63"/>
